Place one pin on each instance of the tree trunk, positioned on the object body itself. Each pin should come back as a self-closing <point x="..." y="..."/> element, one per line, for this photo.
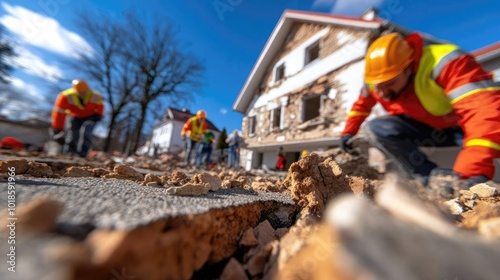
<point x="109" y="138"/>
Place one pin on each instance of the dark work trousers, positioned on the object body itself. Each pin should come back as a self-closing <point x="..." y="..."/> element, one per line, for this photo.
<point x="78" y="137"/>
<point x="399" y="138"/>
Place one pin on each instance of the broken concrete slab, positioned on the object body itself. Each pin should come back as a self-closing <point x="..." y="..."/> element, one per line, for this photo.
<point x="388" y="248"/>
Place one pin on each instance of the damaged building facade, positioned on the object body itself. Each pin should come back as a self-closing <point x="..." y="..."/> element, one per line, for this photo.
<point x="303" y="84"/>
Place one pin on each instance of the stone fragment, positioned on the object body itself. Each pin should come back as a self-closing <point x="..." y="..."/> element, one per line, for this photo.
<point x="20" y="166"/>
<point x="125" y="172"/>
<point x="206" y="178"/>
<point x="38" y="215"/>
<point x="454" y="206"/>
<point x="483" y="190"/>
<point x="248" y="239"/>
<point x="233" y="270"/>
<point x="264" y="233"/>
<point x="75" y="171"/>
<point x="151" y="180"/>
<point x="39" y="169"/>
<point x="257" y="262"/>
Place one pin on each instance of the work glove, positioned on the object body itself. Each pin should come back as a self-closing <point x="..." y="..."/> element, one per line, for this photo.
<point x="346" y="144"/>
<point x="95" y="118"/>
<point x="58" y="135"/>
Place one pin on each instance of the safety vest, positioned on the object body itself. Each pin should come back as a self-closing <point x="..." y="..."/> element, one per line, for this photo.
<point x="429" y="92"/>
<point x="196" y="130"/>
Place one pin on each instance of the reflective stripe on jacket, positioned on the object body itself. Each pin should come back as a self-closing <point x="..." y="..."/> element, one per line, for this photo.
<point x="194" y="130"/>
<point x="450" y="88"/>
<point x="68" y="102"/>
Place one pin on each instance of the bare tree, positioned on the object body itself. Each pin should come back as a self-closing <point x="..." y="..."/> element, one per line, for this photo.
<point x="107" y="66"/>
<point x="165" y="70"/>
<point x="134" y="62"/>
<point x="6" y="54"/>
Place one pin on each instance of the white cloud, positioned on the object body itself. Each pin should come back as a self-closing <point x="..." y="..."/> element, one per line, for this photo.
<point x="42" y="31"/>
<point x="223" y="111"/>
<point x="35" y="65"/>
<point x="20" y="100"/>
<point x="348" y="7"/>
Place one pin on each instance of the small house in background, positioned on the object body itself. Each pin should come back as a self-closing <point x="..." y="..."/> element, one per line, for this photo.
<point x="166" y="136"/>
<point x="304" y="83"/>
<point x="32" y="132"/>
<point x="489" y="57"/>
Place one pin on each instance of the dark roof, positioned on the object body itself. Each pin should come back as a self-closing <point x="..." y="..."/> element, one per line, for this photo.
<point x="183" y="116"/>
<point x="35" y="123"/>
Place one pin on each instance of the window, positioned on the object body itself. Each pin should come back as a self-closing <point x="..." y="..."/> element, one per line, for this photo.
<point x="312" y="52"/>
<point x="280" y="73"/>
<point x="252" y="121"/>
<point x="275" y="118"/>
<point x="311" y="106"/>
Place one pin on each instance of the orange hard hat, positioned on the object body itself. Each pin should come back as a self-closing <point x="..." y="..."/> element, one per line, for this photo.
<point x="201" y="114"/>
<point x="80" y="85"/>
<point x="386" y="58"/>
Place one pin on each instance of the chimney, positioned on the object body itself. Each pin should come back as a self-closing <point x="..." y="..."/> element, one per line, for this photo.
<point x="370" y="14"/>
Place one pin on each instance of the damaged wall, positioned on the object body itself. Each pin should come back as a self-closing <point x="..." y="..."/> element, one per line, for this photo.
<point x="349" y="44"/>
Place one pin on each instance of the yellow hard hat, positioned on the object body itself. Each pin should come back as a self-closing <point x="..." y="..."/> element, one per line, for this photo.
<point x="201" y="114"/>
<point x="305" y="153"/>
<point x="80" y="85"/>
<point x="386" y="58"/>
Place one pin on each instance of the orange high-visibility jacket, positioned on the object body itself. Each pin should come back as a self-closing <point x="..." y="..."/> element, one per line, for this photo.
<point x="68" y="103"/>
<point x="449" y="88"/>
<point x="194" y="129"/>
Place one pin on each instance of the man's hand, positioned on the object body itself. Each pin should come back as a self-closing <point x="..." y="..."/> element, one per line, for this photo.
<point x="346" y="144"/>
<point x="58" y="135"/>
<point x="183" y="137"/>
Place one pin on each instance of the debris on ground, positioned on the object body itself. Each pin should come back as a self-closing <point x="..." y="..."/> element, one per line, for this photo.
<point x="348" y="221"/>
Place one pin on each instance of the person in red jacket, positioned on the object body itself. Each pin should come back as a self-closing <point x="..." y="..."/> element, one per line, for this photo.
<point x="86" y="108"/>
<point x="436" y="95"/>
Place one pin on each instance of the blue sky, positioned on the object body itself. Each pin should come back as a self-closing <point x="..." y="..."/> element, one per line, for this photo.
<point x="228" y="36"/>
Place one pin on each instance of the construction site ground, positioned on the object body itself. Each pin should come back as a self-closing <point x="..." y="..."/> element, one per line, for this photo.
<point x="329" y="216"/>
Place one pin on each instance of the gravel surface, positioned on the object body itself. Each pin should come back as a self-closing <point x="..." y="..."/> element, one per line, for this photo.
<point x="121" y="204"/>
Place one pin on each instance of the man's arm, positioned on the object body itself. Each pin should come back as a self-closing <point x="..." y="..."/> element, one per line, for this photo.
<point x="59" y="112"/>
<point x="476" y="100"/>
<point x="359" y="112"/>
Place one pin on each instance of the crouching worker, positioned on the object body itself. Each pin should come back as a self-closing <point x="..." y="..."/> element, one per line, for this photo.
<point x="437" y="96"/>
<point x="86" y="108"/>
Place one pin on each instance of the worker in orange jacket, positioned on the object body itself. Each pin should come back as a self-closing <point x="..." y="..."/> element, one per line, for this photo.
<point x="86" y="108"/>
<point x="194" y="129"/>
<point x="436" y="96"/>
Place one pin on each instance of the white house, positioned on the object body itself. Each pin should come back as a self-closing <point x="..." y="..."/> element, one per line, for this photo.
<point x="167" y="133"/>
<point x="304" y="82"/>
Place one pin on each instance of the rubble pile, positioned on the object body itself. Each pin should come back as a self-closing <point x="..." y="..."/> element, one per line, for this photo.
<point x="348" y="222"/>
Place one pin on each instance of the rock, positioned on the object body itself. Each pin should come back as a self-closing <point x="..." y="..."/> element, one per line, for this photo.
<point x="75" y="171"/>
<point x="454" y="206"/>
<point x="125" y="172"/>
<point x="264" y="233"/>
<point x="314" y="180"/>
<point x="233" y="270"/>
<point x="483" y="190"/>
<point x="383" y="247"/>
<point x="257" y="262"/>
<point x="20" y="166"/>
<point x="281" y="232"/>
<point x="151" y="180"/>
<point x="248" y="239"/>
<point x="206" y="178"/>
<point x="39" y="169"/>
